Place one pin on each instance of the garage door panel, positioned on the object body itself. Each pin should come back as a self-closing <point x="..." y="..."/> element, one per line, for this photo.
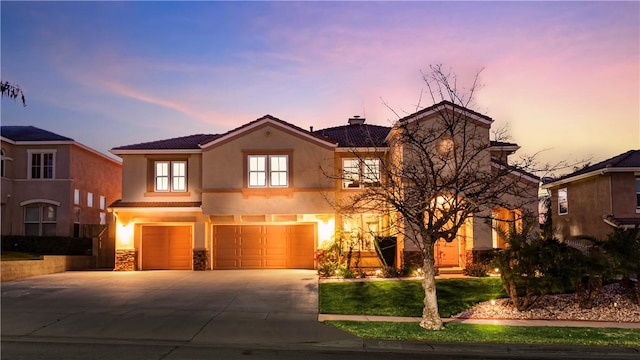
<point x="166" y="248"/>
<point x="263" y="246"/>
<point x="275" y="264"/>
<point x="248" y="263"/>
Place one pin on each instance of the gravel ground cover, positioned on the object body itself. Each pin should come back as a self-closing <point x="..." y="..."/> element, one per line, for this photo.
<point x="611" y="305"/>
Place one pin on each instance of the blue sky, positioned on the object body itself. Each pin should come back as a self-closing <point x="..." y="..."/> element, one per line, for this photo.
<point x="564" y="77"/>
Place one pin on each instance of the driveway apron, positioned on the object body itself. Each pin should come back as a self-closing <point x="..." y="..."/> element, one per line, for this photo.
<point x="219" y="307"/>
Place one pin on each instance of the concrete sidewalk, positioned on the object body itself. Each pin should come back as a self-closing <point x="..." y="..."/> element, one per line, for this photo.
<point x="508" y="322"/>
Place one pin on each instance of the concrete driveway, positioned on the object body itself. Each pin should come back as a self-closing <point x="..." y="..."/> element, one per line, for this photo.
<point x="212" y="307"/>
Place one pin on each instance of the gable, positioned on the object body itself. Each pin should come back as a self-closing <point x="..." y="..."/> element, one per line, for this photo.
<point x="264" y="125"/>
<point x="432" y="112"/>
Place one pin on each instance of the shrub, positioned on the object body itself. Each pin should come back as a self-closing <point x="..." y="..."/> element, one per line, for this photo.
<point x="531" y="268"/>
<point x="48" y="245"/>
<point x="476" y="270"/>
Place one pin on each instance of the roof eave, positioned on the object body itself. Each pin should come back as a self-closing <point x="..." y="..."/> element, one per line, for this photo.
<point x="590" y="174"/>
<point x="154" y="151"/>
<point x="364" y="149"/>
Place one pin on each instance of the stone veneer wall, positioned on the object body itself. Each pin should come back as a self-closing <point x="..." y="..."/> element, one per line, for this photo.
<point x="200" y="260"/>
<point x="126" y="260"/>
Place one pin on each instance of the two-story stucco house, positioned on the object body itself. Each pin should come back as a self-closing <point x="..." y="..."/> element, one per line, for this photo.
<point x="259" y="196"/>
<point x="52" y="185"/>
<point x="593" y="200"/>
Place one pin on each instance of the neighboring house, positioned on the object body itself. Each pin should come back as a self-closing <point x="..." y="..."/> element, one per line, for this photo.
<point x="52" y="185"/>
<point x="598" y="198"/>
<point x="258" y="196"/>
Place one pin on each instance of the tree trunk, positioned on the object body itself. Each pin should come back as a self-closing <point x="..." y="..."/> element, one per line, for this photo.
<point x="430" y="315"/>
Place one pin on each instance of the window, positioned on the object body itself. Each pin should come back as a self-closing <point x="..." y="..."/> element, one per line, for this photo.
<point x="76" y="222"/>
<point x="41" y="164"/>
<point x="90" y="199"/>
<point x="2" y="162"/>
<point x="444" y="147"/>
<point x="268" y="170"/>
<point x="563" y="202"/>
<point x="170" y="176"/>
<point x="358" y="173"/>
<point x="103" y="218"/>
<point x="103" y="202"/>
<point x="40" y="219"/>
<point x="637" y="193"/>
<point x="359" y="231"/>
<point x="76" y="197"/>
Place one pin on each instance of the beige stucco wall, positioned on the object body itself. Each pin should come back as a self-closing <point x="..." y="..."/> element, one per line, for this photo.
<point x="623" y="201"/>
<point x="223" y="173"/>
<point x="136" y="180"/>
<point x="589" y="200"/>
<point x="223" y="164"/>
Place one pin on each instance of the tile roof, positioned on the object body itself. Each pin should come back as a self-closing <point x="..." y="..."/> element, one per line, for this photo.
<point x="183" y="142"/>
<point x="137" y="204"/>
<point x="30" y="133"/>
<point x="629" y="159"/>
<point x="357" y="135"/>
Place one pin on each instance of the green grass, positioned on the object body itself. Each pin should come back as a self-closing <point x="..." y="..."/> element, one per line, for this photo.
<point x="13" y="255"/>
<point x="455" y="332"/>
<point x="405" y="298"/>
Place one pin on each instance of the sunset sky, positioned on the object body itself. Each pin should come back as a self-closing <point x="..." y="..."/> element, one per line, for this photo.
<point x="564" y="77"/>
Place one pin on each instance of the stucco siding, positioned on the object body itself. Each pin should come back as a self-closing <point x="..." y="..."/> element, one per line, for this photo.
<point x="300" y="202"/>
<point x="624" y="198"/>
<point x="588" y="201"/>
<point x="223" y="166"/>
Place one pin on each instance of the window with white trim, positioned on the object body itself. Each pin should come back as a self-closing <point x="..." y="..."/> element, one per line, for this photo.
<point x="359" y="173"/>
<point x="268" y="170"/>
<point x="90" y="199"/>
<point x="563" y="202"/>
<point x="40" y="219"/>
<point x="103" y="202"/>
<point x="41" y="164"/>
<point x="76" y="197"/>
<point x="170" y="176"/>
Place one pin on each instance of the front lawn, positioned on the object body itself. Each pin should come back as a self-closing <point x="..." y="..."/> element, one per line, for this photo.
<point x="405" y="298"/>
<point x="455" y="332"/>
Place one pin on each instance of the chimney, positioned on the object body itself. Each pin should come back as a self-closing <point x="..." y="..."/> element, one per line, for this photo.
<point x="310" y="128"/>
<point x="356" y="120"/>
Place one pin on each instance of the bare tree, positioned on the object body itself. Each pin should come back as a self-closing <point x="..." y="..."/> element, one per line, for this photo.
<point x="438" y="173"/>
<point x="12" y="91"/>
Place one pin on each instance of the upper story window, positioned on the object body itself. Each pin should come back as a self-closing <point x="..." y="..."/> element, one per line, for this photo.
<point x="76" y="197"/>
<point x="40" y="219"/>
<point x="563" y="202"/>
<point x="358" y="173"/>
<point x="103" y="202"/>
<point x="2" y="163"/>
<point x="637" y="193"/>
<point x="90" y="199"/>
<point x="41" y="164"/>
<point x="268" y="170"/>
<point x="170" y="176"/>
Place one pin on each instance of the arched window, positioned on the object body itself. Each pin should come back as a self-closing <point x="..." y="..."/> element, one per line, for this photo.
<point x="40" y="219"/>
